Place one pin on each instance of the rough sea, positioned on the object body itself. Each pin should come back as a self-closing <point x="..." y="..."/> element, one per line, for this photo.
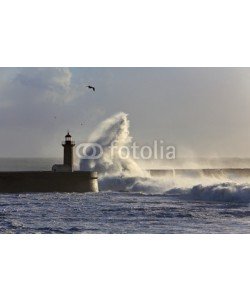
<point x="221" y="207"/>
<point x="130" y="199"/>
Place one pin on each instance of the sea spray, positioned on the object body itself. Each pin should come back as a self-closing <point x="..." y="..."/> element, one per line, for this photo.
<point x="112" y="131"/>
<point x="125" y="174"/>
<point x="116" y="173"/>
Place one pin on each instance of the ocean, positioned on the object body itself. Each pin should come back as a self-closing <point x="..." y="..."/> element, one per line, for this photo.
<point x="130" y="199"/>
<point x="128" y="205"/>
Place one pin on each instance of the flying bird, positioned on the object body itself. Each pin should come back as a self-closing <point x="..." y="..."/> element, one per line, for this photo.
<point x="91" y="87"/>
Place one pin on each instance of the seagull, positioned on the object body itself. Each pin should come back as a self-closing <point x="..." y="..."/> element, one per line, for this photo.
<point x="91" y="87"/>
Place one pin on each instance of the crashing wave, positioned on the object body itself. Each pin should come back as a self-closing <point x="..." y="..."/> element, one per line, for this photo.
<point x="125" y="174"/>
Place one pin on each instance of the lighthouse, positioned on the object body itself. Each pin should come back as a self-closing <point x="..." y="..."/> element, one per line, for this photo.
<point x="68" y="155"/>
<point x="62" y="179"/>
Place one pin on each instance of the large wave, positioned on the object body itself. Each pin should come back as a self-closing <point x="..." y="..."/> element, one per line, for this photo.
<point x="228" y="191"/>
<point x="113" y="131"/>
<point x="125" y="174"/>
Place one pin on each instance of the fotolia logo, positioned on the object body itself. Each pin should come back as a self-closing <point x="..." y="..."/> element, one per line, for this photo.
<point x="89" y="151"/>
<point x="146" y="152"/>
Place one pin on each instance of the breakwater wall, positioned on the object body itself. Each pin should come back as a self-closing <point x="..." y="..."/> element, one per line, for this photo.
<point x="45" y="182"/>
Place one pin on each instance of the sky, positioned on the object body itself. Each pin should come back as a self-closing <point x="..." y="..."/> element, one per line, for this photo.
<point x="203" y="112"/>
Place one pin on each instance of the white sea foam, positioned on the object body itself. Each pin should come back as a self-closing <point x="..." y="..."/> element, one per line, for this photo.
<point x="113" y="130"/>
<point x="119" y="174"/>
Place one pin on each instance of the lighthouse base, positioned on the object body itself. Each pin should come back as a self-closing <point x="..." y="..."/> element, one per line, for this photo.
<point x="46" y="182"/>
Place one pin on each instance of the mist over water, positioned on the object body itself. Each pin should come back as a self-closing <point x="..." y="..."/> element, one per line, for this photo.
<point x="119" y="174"/>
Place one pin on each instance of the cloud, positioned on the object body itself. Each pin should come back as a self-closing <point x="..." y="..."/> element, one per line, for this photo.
<point x="53" y="84"/>
<point x="37" y="106"/>
<point x="29" y="98"/>
<point x="54" y="79"/>
<point x="202" y="109"/>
